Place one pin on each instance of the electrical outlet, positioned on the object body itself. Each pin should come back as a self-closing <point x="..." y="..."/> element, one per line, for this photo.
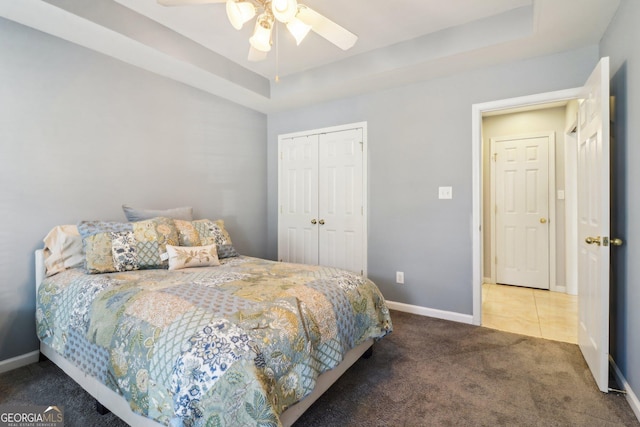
<point x="445" y="192"/>
<point x="400" y="277"/>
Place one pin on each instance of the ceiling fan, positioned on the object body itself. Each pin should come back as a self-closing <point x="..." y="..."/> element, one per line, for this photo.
<point x="298" y="18"/>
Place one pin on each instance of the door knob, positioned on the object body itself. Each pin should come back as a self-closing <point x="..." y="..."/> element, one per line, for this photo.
<point x="314" y="222"/>
<point x="321" y="222"/>
<point x="592" y="240"/>
<point x="616" y="242"/>
<point x="543" y="220"/>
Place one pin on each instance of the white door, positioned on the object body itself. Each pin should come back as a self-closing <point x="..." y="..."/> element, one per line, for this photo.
<point x="593" y="224"/>
<point x="321" y="188"/>
<point x="340" y="214"/>
<point x="522" y="211"/>
<point x="298" y="194"/>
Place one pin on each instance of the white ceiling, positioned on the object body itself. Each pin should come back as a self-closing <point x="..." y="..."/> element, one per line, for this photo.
<point x="399" y="42"/>
<point x="378" y="23"/>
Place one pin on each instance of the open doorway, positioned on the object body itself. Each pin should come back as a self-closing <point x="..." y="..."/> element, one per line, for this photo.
<point x="592" y="180"/>
<point x="525" y="288"/>
<point x="523" y="198"/>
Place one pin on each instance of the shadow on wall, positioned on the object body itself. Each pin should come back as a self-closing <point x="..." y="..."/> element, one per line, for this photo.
<point x="22" y="317"/>
<point x="619" y="209"/>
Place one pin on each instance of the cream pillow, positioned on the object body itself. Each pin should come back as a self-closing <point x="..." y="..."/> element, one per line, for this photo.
<point x="62" y="249"/>
<point x="192" y="256"/>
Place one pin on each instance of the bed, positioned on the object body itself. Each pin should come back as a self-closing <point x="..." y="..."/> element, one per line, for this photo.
<point x="246" y="341"/>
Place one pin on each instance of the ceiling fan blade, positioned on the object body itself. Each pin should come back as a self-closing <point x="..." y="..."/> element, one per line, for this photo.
<point x="187" y="2"/>
<point x="326" y="28"/>
<point x="256" y="55"/>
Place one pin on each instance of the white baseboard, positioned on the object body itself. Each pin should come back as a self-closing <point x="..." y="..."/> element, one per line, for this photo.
<point x="487" y="280"/>
<point x="430" y="312"/>
<point x="19" y="361"/>
<point x="632" y="398"/>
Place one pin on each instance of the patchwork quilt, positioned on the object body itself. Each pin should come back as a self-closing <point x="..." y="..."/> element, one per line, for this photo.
<point x="232" y="345"/>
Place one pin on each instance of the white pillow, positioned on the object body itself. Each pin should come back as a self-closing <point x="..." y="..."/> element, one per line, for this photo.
<point x="192" y="256"/>
<point x="62" y="249"/>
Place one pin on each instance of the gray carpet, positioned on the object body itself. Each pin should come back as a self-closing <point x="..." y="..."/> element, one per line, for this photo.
<point x="428" y="372"/>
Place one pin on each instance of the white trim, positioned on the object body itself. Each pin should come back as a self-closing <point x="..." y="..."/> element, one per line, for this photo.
<point x="337" y="128"/>
<point x="476" y="175"/>
<point x="19" y="361"/>
<point x="477" y="271"/>
<point x="492" y="208"/>
<point x="430" y="312"/>
<point x="632" y="398"/>
<point x="560" y="289"/>
<point x="553" y="219"/>
<point x="571" y="212"/>
<point x="365" y="198"/>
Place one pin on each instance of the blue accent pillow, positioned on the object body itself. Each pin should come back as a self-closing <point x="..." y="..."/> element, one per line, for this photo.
<point x="133" y="214"/>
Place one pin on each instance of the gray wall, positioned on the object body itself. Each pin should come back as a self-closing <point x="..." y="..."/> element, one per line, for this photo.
<point x="81" y="134"/>
<point x="420" y="138"/>
<point x="621" y="43"/>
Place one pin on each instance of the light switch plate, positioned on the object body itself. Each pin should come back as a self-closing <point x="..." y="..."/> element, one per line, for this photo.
<point x="445" y="192"/>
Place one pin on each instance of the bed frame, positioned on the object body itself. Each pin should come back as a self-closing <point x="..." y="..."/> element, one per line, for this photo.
<point x="112" y="401"/>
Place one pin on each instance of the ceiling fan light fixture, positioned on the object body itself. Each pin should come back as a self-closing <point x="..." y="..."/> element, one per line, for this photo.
<point x="239" y="12"/>
<point x="298" y="29"/>
<point x="255" y="55"/>
<point x="284" y="10"/>
<point x="261" y="38"/>
<point x="299" y="19"/>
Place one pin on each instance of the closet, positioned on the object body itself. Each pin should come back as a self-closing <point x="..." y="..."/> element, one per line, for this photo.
<point x="321" y="197"/>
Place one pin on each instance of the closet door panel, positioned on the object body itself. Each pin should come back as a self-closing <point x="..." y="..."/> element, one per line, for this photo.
<point x="298" y="187"/>
<point x="340" y="205"/>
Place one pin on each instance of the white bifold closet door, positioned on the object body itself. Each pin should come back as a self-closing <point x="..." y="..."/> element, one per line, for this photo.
<point x="321" y="206"/>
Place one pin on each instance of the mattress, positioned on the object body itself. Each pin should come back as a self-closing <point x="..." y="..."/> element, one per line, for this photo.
<point x="235" y="344"/>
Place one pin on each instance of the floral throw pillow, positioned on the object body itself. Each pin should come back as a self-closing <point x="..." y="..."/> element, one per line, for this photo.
<point x="115" y="246"/>
<point x="192" y="256"/>
<point x="206" y="232"/>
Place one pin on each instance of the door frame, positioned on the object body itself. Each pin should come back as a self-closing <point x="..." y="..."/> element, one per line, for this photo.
<point x="551" y="195"/>
<point x="571" y="209"/>
<point x="476" y="175"/>
<point x="365" y="179"/>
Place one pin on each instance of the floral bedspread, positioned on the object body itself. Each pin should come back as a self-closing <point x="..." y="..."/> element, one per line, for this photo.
<point x="231" y="345"/>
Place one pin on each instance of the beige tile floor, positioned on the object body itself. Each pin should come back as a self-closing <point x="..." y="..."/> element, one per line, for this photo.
<point x="533" y="312"/>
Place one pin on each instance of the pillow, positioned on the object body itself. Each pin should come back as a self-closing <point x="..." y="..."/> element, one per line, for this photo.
<point x="227" y="251"/>
<point x="192" y="256"/>
<point x="206" y="232"/>
<point x="62" y="249"/>
<point x="187" y="233"/>
<point x="184" y="213"/>
<point x="116" y="246"/>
